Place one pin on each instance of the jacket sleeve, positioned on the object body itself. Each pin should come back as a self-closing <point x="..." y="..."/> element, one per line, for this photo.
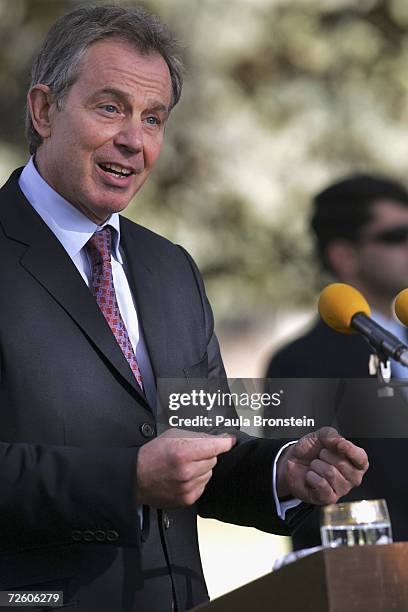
<point x="52" y="495"/>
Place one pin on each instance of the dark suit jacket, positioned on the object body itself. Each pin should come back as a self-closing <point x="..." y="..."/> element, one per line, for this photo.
<point x="324" y="353"/>
<point x="72" y="419"/>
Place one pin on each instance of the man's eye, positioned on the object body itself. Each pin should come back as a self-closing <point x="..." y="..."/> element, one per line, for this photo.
<point x="153" y="120"/>
<point x="110" y="108"/>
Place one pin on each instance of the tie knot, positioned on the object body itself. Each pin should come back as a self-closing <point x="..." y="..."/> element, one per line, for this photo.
<point x="99" y="246"/>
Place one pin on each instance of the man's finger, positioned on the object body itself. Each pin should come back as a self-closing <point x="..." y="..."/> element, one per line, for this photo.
<point x="310" y="445"/>
<point x="203" y="479"/>
<point x="207" y="448"/>
<point x="196" y="469"/>
<point x="353" y="453"/>
<point x="320" y="491"/>
<point x="191" y="491"/>
<point x="194" y="483"/>
<point x="196" y="446"/>
<point x="338" y="483"/>
<point x="344" y="466"/>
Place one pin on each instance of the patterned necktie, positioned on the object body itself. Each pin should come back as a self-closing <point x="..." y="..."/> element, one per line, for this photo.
<point x="99" y="247"/>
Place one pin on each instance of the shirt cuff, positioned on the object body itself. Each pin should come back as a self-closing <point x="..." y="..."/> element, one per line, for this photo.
<point x="282" y="506"/>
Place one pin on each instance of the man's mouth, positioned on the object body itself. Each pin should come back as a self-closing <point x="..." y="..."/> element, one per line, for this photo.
<point x="116" y="169"/>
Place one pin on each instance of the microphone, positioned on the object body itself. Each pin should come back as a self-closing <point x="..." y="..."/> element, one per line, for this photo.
<point x="401" y="306"/>
<point x="345" y="310"/>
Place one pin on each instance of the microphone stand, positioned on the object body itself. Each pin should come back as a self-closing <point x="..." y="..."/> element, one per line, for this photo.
<point x="380" y="365"/>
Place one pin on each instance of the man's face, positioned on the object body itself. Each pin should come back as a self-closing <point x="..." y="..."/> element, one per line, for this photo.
<point x="382" y="253"/>
<point x="106" y="139"/>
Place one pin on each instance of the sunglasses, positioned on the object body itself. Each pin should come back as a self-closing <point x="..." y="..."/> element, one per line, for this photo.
<point x="392" y="236"/>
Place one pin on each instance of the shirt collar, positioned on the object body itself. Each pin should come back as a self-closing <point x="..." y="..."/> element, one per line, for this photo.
<point x="72" y="228"/>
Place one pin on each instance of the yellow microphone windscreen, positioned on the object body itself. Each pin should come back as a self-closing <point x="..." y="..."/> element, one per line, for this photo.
<point x="401" y="306"/>
<point x="338" y="303"/>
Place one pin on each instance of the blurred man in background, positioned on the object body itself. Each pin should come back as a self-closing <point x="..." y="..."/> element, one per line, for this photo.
<point x="361" y="229"/>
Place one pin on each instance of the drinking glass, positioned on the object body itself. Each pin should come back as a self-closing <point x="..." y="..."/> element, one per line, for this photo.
<point x="356" y="523"/>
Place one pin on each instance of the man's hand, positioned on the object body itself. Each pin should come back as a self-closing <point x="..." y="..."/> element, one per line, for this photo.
<point x="320" y="468"/>
<point x="174" y="468"/>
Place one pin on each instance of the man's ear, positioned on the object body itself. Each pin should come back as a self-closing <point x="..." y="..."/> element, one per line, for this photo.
<point x="343" y="258"/>
<point x="40" y="100"/>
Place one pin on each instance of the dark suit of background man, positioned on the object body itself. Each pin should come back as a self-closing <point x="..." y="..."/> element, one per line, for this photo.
<point x="361" y="227"/>
<point x="94" y="309"/>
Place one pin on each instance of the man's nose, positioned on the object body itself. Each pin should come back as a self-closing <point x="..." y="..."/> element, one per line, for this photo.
<point x="130" y="136"/>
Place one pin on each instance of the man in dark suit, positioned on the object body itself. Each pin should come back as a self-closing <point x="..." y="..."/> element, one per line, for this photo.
<point x="95" y="310"/>
<point x="361" y="227"/>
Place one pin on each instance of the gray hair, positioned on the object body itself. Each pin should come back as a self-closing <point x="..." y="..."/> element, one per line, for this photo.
<point x="57" y="64"/>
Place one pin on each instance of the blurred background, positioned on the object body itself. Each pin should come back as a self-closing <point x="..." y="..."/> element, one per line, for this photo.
<point x="281" y="97"/>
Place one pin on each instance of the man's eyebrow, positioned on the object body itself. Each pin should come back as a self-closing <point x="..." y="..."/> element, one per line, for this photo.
<point x="157" y="107"/>
<point x="121" y="95"/>
<point x="112" y="91"/>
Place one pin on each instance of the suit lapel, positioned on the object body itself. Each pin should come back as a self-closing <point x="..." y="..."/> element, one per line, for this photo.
<point x="47" y="261"/>
<point x="146" y="286"/>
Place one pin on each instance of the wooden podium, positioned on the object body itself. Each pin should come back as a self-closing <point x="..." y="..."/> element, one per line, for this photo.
<point x="355" y="579"/>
